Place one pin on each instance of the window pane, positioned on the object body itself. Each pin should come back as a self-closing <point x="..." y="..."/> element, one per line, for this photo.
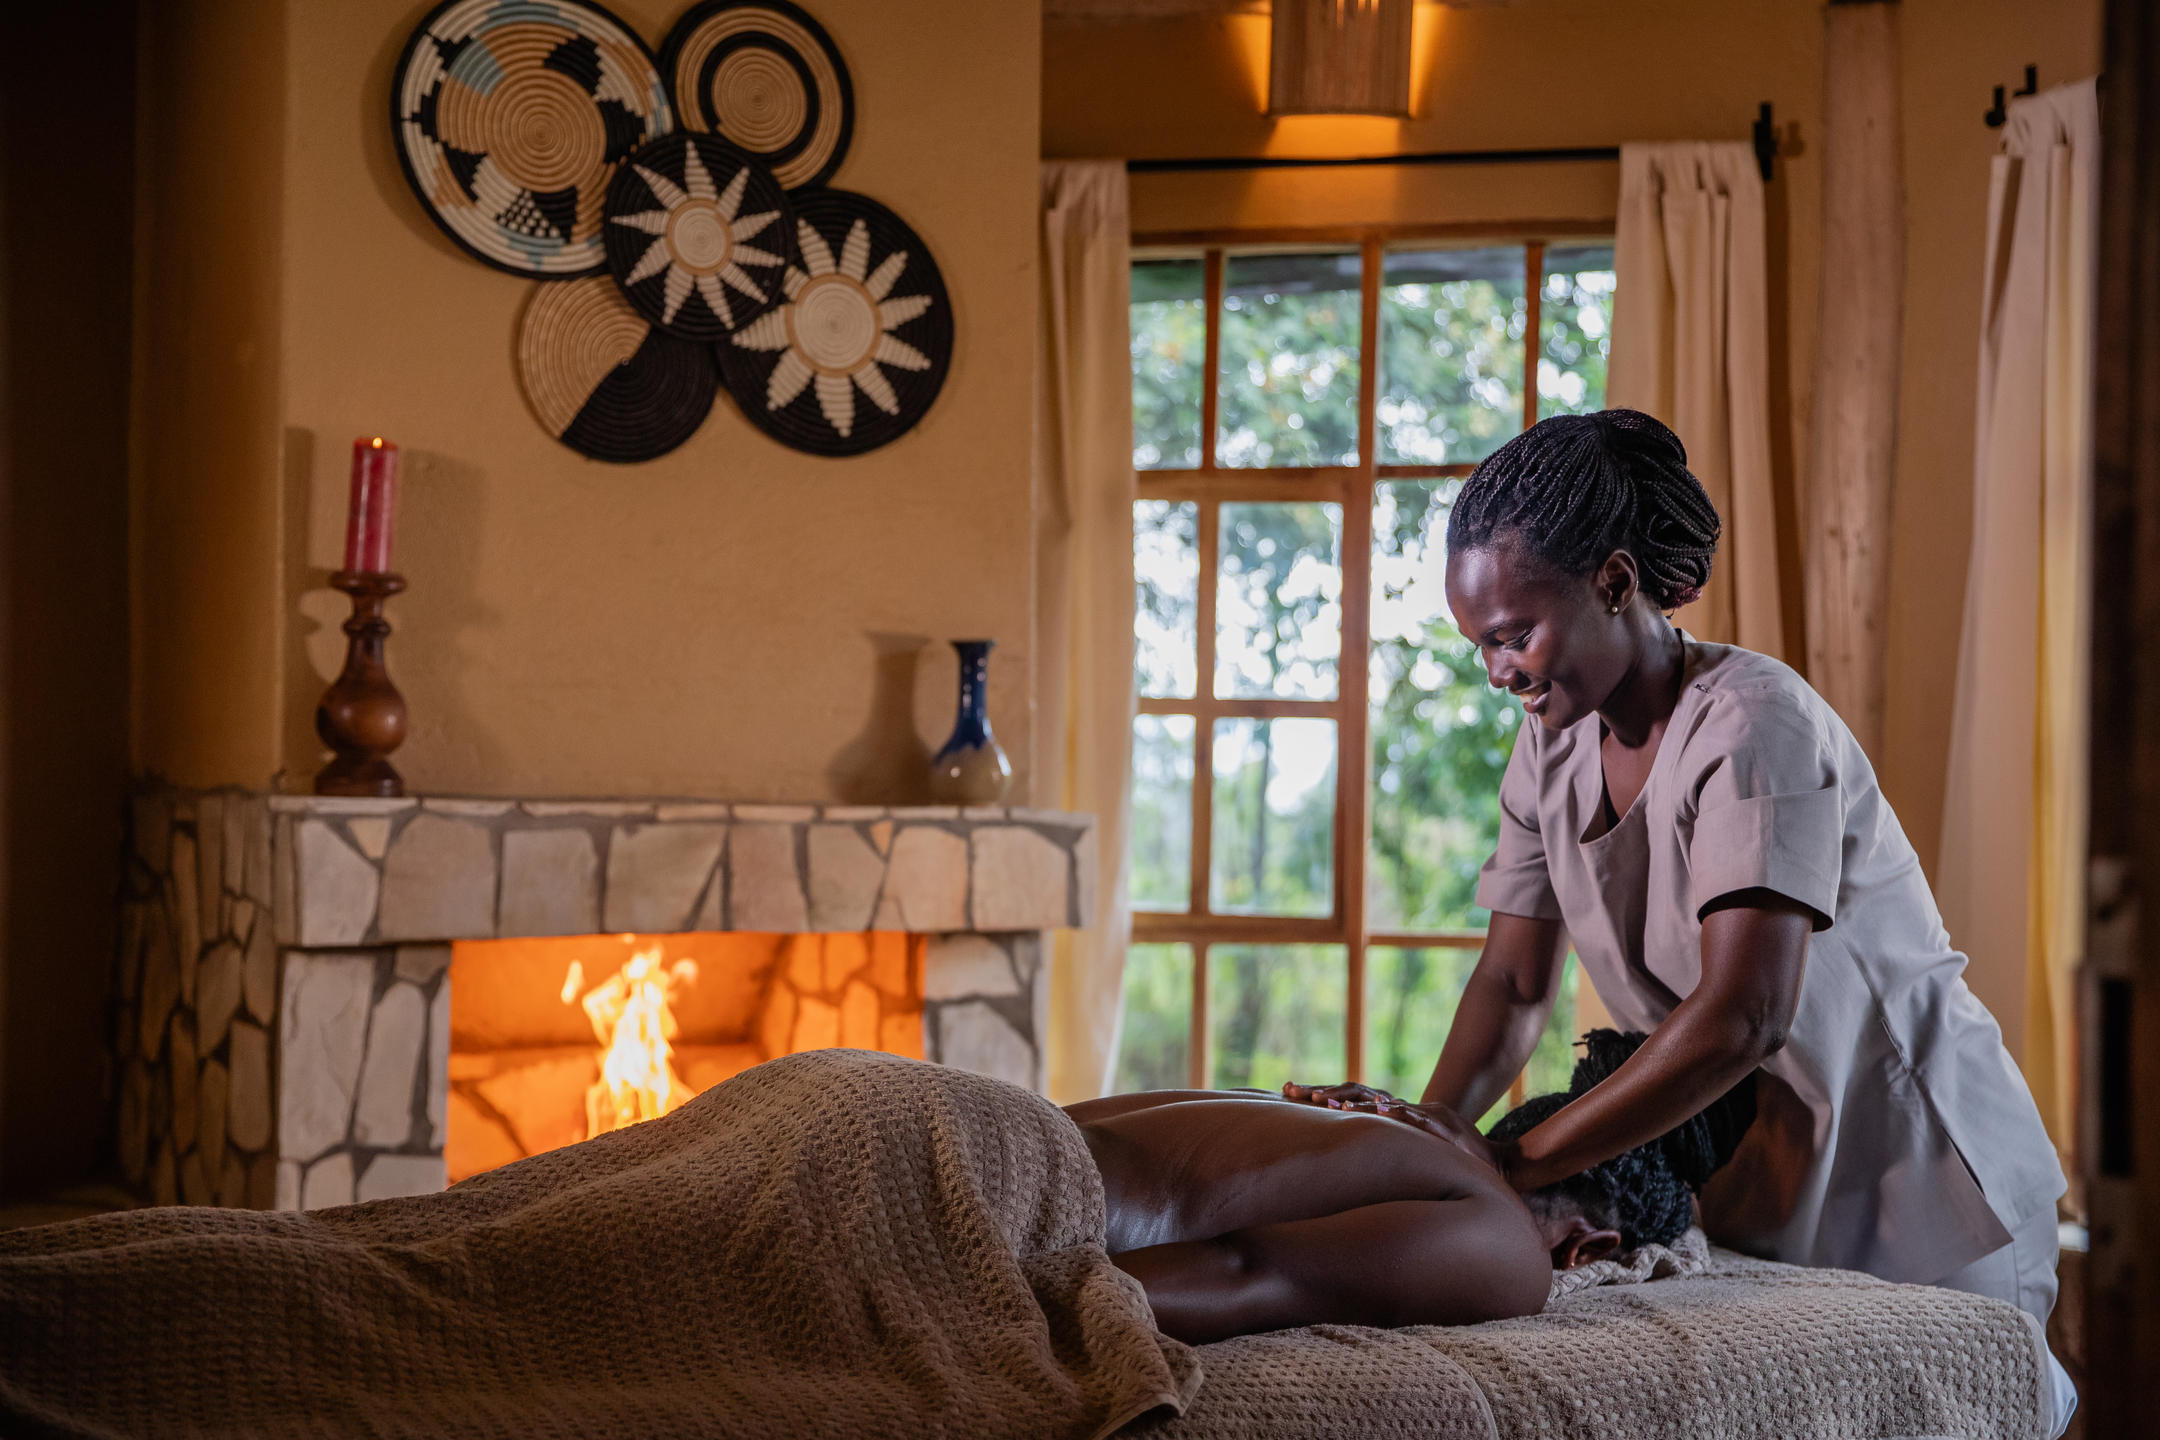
<point x="1289" y="366"/>
<point x="1154" y="1047"/>
<point x="1410" y="1001"/>
<point x="1451" y="363"/>
<point x="1166" y="596"/>
<point x="1554" y="1059"/>
<point x="1278" y="601"/>
<point x="1169" y="354"/>
<point x="1273" y="843"/>
<point x="1575" y="313"/>
<point x="1275" y="1013"/>
<point x="1441" y="735"/>
<point x="1161" y="848"/>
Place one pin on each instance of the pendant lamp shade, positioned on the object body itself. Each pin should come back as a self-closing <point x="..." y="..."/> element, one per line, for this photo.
<point x="1339" y="57"/>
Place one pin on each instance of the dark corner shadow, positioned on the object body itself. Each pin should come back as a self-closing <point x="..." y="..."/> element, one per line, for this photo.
<point x="887" y="763"/>
<point x="378" y="139"/>
<point x="436" y="624"/>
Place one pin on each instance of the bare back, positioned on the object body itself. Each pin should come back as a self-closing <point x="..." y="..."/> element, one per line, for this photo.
<point x="1242" y="1213"/>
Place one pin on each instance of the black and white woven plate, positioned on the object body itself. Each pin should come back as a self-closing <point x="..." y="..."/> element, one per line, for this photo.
<point x="510" y="119"/>
<point x="698" y="234"/>
<point x="766" y="77"/>
<point x="856" y="352"/>
<point x="604" y="381"/>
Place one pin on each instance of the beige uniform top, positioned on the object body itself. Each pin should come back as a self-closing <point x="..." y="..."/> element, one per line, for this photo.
<point x="1893" y="1134"/>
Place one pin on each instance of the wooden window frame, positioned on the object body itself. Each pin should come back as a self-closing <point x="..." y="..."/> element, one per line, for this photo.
<point x="1353" y="488"/>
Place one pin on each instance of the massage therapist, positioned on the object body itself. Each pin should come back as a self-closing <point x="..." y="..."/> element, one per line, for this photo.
<point x="1703" y="829"/>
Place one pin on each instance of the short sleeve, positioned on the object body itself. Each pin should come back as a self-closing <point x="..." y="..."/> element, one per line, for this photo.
<point x="1769" y="809"/>
<point x="1515" y="880"/>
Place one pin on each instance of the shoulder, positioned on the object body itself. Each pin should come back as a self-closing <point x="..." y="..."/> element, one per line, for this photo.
<point x="1738" y="698"/>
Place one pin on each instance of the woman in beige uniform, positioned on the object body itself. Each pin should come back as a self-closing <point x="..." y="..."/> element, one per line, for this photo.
<point x="1704" y="830"/>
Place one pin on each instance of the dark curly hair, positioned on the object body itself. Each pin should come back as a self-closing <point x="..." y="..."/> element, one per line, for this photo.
<point x="1646" y="1193"/>
<point x="1575" y="488"/>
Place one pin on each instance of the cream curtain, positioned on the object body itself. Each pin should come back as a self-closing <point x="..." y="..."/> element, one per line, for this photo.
<point x="2011" y="879"/>
<point x="1690" y="345"/>
<point x="1084" y="589"/>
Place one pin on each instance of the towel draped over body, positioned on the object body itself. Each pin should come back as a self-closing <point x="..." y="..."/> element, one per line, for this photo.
<point x="833" y="1244"/>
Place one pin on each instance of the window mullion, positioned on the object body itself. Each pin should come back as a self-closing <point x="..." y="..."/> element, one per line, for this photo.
<point x="1211" y="289"/>
<point x="1533" y="319"/>
<point x="1196" y="1053"/>
<point x="1352" y="821"/>
<point x="1203" y="780"/>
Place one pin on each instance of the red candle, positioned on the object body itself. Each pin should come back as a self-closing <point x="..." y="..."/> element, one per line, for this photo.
<point x="374" y="496"/>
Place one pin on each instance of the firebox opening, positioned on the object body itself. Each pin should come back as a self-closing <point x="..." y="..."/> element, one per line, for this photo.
<point x="554" y="1040"/>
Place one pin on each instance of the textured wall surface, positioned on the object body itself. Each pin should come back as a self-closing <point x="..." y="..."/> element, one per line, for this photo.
<point x="710" y="622"/>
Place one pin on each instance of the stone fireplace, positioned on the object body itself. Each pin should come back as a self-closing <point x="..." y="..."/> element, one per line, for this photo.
<point x="322" y="1000"/>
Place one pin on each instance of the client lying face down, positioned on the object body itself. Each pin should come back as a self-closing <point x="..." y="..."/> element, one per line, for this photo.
<point x="1241" y="1212"/>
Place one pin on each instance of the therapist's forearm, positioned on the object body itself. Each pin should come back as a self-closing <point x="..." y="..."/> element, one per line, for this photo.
<point x="1754" y="955"/>
<point x="1502" y="1012"/>
<point x="1698" y="1054"/>
<point x="1494" y="1033"/>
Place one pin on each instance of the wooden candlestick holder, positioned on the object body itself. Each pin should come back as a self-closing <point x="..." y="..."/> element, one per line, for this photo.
<point x="362" y="715"/>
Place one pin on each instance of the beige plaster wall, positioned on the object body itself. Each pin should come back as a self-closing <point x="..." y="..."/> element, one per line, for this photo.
<point x="204" y="439"/>
<point x="1586" y="72"/>
<point x="734" y="619"/>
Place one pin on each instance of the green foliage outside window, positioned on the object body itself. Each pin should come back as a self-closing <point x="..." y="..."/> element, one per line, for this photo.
<point x="1452" y="352"/>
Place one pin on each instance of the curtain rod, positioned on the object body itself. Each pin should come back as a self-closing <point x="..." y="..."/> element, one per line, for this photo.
<point x="1765" y="136"/>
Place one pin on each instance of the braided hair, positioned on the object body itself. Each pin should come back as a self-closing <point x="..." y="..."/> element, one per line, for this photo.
<point x="1645" y="1194"/>
<point x="1575" y="488"/>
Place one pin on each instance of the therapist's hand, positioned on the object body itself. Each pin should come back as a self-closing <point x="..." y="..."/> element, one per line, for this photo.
<point x="1346" y="1096"/>
<point x="1445" y="1124"/>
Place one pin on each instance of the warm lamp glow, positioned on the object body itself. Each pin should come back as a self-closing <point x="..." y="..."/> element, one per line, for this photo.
<point x="1340" y="57"/>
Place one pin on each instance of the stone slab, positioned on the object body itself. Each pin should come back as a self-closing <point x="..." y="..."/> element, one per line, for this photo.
<point x="655" y="874"/>
<point x="439" y="882"/>
<point x="926" y="881"/>
<point x="383" y="1110"/>
<point x="390" y="1176"/>
<point x="329" y="1182"/>
<point x="958" y="966"/>
<point x="845" y="876"/>
<point x="765" y="890"/>
<point x="550" y="883"/>
<point x="217" y="994"/>
<point x="247" y="1120"/>
<point x="322" y="1037"/>
<point x="974" y="1036"/>
<point x="1021" y="881"/>
<point x="334" y="888"/>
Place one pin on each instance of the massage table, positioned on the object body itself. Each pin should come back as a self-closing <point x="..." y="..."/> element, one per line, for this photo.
<point x="1746" y="1348"/>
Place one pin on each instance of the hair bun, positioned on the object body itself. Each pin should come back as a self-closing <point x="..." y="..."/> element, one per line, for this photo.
<point x="1696" y="1148"/>
<point x="1634" y="433"/>
<point x="1604" y="1051"/>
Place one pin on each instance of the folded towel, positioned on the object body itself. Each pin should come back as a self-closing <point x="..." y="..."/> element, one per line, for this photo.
<point x="1688" y="1255"/>
<point x="836" y="1243"/>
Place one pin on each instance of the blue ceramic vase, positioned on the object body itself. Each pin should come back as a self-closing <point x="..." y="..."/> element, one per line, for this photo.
<point x="971" y="769"/>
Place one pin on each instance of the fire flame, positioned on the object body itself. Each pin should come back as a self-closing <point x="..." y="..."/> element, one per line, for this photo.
<point x="631" y="1019"/>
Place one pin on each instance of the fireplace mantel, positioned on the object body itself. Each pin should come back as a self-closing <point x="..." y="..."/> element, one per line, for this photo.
<point x="437" y="869"/>
<point x="283" y="991"/>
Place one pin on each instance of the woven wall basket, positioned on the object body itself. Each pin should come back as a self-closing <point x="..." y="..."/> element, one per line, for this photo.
<point x="511" y="118"/>
<point x="603" y="381"/>
<point x="855" y="354"/>
<point x="698" y="234"/>
<point x="766" y="77"/>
